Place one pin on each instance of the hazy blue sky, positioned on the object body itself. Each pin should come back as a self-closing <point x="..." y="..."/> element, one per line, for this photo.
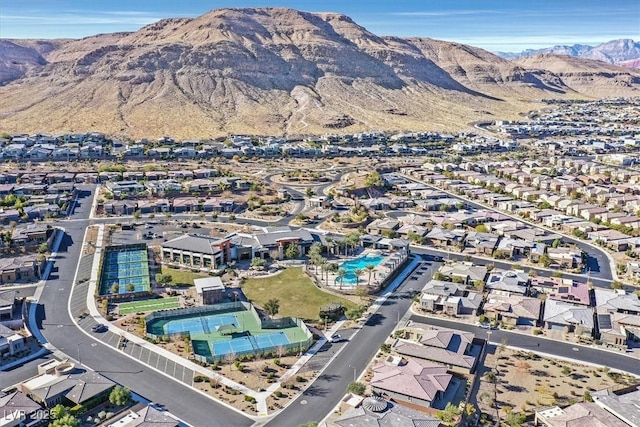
<point x="507" y="25"/>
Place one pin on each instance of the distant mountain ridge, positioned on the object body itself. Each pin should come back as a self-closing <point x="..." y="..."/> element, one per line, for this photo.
<point x="275" y="71"/>
<point x="625" y="52"/>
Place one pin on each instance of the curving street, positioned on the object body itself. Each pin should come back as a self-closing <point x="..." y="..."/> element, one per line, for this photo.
<point x="57" y="326"/>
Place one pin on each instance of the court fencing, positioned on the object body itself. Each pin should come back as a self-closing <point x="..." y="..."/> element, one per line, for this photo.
<point x="260" y="345"/>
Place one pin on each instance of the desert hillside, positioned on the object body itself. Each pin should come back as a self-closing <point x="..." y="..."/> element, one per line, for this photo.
<point x="275" y="71"/>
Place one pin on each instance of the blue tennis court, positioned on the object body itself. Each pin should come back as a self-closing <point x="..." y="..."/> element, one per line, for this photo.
<point x="236" y="345"/>
<point x="195" y="325"/>
<point x="271" y="340"/>
<point x="248" y="344"/>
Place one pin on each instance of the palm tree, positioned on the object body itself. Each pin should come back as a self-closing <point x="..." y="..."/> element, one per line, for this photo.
<point x="323" y="265"/>
<point x="369" y="268"/>
<point x="358" y="272"/>
<point x="272" y="307"/>
<point x="330" y="244"/>
<point x="341" y="273"/>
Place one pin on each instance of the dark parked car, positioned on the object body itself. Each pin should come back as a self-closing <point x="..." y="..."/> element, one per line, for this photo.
<point x="99" y="327"/>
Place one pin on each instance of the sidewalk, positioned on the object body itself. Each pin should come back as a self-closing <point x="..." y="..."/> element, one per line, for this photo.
<point x="261" y="397"/>
<point x="516" y="331"/>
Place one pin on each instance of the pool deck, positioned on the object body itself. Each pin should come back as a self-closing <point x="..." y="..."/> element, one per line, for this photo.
<point x="385" y="268"/>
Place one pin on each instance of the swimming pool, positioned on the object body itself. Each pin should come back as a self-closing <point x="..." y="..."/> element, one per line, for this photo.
<point x="359" y="263"/>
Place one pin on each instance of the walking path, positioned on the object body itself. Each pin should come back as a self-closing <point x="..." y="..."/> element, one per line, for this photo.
<point x="154" y="356"/>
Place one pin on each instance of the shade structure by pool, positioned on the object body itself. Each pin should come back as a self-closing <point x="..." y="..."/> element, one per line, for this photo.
<point x="359" y="264"/>
<point x="200" y="325"/>
<point x="245" y="344"/>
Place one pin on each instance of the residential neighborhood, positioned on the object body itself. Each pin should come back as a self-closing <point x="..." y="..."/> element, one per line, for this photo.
<point x="245" y="276"/>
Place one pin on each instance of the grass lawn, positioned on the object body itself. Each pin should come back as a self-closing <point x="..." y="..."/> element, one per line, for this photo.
<point x="182" y="277"/>
<point x="148" y="305"/>
<point x="298" y="296"/>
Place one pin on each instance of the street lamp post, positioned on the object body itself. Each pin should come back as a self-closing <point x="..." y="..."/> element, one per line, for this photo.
<point x="78" y="348"/>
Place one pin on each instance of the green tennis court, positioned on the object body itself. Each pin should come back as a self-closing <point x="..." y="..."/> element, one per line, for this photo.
<point x="148" y="305"/>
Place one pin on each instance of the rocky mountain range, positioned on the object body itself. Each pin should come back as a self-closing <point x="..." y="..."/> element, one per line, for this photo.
<point x="625" y="52"/>
<point x="276" y="71"/>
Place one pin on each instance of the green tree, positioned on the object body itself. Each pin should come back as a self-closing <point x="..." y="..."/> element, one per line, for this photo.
<point x="481" y="228"/>
<point x="356" y="388"/>
<point x="358" y="272"/>
<point x="120" y="396"/>
<point x="67" y="420"/>
<point x="373" y="180"/>
<point x="439" y="276"/>
<point x="131" y="287"/>
<point x="369" y="268"/>
<point x="137" y="214"/>
<point x="272" y="307"/>
<point x="555" y="243"/>
<point x="58" y="411"/>
<point x="309" y="192"/>
<point x="291" y="251"/>
<point x="164" y="279"/>
<point x="115" y="288"/>
<point x="515" y="419"/>
<point x="315" y="250"/>
<point x="450" y="413"/>
<point x="341" y="273"/>
<point x="545" y="260"/>
<point x="43" y="248"/>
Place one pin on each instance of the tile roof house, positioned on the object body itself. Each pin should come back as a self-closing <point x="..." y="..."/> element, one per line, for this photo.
<point x="392" y="416"/>
<point x="7" y="303"/>
<point x="15" y="408"/>
<point x="570" y="291"/>
<point x="10" y="341"/>
<point x="455" y="349"/>
<point x="19" y="269"/>
<point x="625" y="406"/>
<point x="508" y="282"/>
<point x="513" y="309"/>
<point x="145" y="417"/>
<point x="465" y="270"/>
<point x="481" y="243"/>
<point x="57" y="385"/>
<point x="442" y="237"/>
<point x="583" y="414"/>
<point x="416" y="382"/>
<point x="616" y="301"/>
<point x="450" y="298"/>
<point x="382" y="226"/>
<point x="562" y="316"/>
<point x="566" y="257"/>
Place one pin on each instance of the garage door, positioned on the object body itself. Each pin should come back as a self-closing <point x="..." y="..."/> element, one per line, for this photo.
<point x="524" y="322"/>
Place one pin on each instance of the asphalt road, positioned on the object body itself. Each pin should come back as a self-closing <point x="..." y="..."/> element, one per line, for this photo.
<point x="571" y="351"/>
<point x="57" y="327"/>
<point x="324" y="394"/>
<point x="599" y="282"/>
<point x="597" y="261"/>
